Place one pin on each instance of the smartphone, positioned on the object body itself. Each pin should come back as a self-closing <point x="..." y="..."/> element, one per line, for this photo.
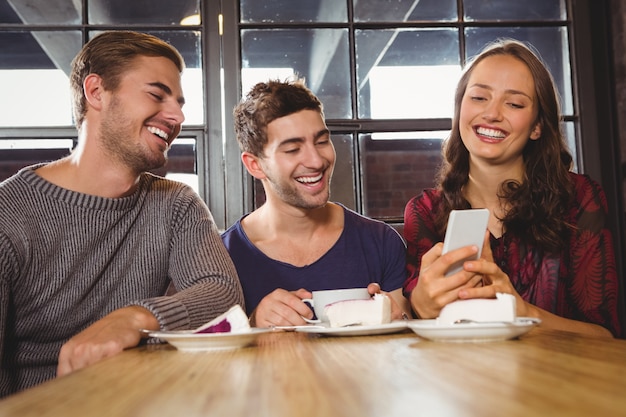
<point x="465" y="227"/>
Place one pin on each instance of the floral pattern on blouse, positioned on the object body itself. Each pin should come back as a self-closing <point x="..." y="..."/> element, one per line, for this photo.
<point x="580" y="283"/>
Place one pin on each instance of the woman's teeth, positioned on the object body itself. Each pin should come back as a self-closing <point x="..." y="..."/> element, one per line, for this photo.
<point x="492" y="133"/>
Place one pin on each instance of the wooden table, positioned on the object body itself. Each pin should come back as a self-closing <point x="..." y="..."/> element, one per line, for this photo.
<point x="544" y="373"/>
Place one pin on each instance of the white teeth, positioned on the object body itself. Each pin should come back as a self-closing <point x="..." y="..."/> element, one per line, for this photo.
<point x="490" y="132"/>
<point x="309" y="180"/>
<point x="158" y="132"/>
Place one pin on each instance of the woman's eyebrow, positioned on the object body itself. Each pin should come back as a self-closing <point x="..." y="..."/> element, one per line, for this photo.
<point x="509" y="91"/>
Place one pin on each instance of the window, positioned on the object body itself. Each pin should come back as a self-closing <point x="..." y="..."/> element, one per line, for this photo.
<point x="386" y="72"/>
<point x="39" y="39"/>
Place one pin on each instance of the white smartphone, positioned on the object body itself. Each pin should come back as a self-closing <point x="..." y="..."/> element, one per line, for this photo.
<point x="465" y="228"/>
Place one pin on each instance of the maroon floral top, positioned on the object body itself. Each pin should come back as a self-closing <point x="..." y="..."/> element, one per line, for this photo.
<point x="580" y="283"/>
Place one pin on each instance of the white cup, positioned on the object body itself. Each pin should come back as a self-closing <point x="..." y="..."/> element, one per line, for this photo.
<point x="322" y="298"/>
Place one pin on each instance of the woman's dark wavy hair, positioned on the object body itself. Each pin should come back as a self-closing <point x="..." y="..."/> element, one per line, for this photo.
<point x="537" y="204"/>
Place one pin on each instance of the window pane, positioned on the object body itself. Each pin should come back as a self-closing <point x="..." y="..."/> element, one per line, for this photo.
<point x="407" y="73"/>
<point x="34" y="68"/>
<point x="550" y="42"/>
<point x="18" y="153"/>
<point x="342" y="187"/>
<point x="401" y="11"/>
<point x="181" y="162"/>
<point x="143" y="11"/>
<point x="319" y="55"/>
<point x="396" y="170"/>
<point x="536" y="10"/>
<point x="40" y="12"/>
<point x="287" y="11"/>
<point x="569" y="130"/>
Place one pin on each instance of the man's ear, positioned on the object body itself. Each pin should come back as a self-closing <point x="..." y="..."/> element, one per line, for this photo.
<point x="252" y="164"/>
<point x="536" y="132"/>
<point x="92" y="88"/>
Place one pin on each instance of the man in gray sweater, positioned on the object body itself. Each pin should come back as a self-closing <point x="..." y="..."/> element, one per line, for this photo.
<point x="90" y="243"/>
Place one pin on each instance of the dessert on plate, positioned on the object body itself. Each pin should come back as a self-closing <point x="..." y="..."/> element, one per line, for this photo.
<point x="501" y="309"/>
<point x="370" y="312"/>
<point x="234" y="320"/>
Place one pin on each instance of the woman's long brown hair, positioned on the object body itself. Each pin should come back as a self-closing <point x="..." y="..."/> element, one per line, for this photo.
<point x="537" y="205"/>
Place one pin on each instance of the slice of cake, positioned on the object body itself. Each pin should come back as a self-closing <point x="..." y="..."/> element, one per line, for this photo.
<point x="502" y="308"/>
<point x="376" y="310"/>
<point x="234" y="320"/>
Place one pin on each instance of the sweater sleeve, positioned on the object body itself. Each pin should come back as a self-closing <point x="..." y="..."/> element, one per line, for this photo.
<point x="8" y="269"/>
<point x="200" y="268"/>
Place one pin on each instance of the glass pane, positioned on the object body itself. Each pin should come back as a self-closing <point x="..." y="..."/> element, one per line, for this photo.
<point x="569" y="130"/>
<point x="40" y="12"/>
<point x="188" y="44"/>
<point x="536" y="10"/>
<point x="407" y="73"/>
<point x="18" y="153"/>
<point x="34" y="68"/>
<point x="319" y="55"/>
<point x="143" y="12"/>
<point x="181" y="162"/>
<point x="551" y="44"/>
<point x="404" y="11"/>
<point x="287" y="11"/>
<point x="395" y="170"/>
<point x="342" y="187"/>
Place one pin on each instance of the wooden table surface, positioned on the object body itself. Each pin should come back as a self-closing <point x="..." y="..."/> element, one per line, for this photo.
<point x="544" y="373"/>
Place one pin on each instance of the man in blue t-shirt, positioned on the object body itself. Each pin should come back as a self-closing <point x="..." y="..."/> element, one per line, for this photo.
<point x="298" y="241"/>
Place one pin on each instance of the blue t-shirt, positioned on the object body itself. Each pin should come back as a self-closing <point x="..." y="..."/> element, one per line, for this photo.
<point x="367" y="251"/>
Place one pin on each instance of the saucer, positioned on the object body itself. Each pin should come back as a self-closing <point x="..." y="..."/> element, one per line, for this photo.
<point x="187" y="341"/>
<point x="472" y="332"/>
<point x="357" y="330"/>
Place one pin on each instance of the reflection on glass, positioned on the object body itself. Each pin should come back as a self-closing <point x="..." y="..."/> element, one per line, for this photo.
<point x="406" y="73"/>
<point x="50" y="12"/>
<point x="288" y="11"/>
<point x="404" y="11"/>
<point x="393" y="171"/>
<point x="319" y="55"/>
<point x="143" y="11"/>
<point x="550" y="43"/>
<point x="34" y="78"/>
<point x="536" y="10"/>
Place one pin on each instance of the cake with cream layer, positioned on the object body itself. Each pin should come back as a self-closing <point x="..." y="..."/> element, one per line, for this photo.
<point x="376" y="310"/>
<point x="234" y="320"/>
<point x="501" y="308"/>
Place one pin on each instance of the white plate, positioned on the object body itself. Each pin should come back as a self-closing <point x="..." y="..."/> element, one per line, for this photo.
<point x="186" y="341"/>
<point x="472" y="332"/>
<point x="393" y="327"/>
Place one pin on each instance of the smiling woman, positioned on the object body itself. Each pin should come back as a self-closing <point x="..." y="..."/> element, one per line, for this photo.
<point x="548" y="244"/>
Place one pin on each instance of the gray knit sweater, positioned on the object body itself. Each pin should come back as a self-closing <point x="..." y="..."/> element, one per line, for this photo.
<point x="67" y="259"/>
